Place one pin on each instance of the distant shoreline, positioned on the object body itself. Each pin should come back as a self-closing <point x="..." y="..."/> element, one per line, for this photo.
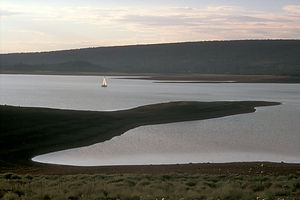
<point x="219" y="78"/>
<point x="177" y="78"/>
<point x="230" y="168"/>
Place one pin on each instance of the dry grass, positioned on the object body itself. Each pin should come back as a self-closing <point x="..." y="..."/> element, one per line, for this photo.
<point x="146" y="186"/>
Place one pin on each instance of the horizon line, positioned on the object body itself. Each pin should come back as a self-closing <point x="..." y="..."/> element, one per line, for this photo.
<point x="148" y="44"/>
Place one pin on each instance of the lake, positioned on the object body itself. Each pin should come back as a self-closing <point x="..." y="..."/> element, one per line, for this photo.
<point x="269" y="134"/>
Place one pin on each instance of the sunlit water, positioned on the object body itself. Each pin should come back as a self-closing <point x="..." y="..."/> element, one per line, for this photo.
<point x="270" y="134"/>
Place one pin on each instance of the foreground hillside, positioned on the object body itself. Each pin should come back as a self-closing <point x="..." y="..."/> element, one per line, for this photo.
<point x="173" y="186"/>
<point x="276" y="57"/>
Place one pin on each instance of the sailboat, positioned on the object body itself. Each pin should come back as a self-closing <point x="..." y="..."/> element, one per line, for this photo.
<point x="104" y="84"/>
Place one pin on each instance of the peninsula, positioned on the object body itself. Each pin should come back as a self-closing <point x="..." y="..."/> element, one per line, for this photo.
<point x="27" y="132"/>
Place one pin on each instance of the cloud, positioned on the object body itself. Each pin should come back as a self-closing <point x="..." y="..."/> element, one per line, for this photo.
<point x="292" y="8"/>
<point x="193" y="20"/>
<point x="222" y="8"/>
<point x="77" y="26"/>
<point x="261" y="18"/>
<point x="153" y="20"/>
<point x="246" y="18"/>
<point x="6" y="13"/>
<point x="32" y="32"/>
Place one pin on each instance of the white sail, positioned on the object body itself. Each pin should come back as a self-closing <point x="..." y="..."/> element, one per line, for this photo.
<point x="104" y="84"/>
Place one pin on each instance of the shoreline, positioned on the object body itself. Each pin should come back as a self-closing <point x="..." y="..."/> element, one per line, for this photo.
<point x="44" y="130"/>
<point x="176" y="78"/>
<point x="230" y="168"/>
<point x="218" y="78"/>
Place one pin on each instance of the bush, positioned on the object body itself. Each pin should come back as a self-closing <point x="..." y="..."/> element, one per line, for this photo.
<point x="166" y="177"/>
<point x="292" y="176"/>
<point x="211" y="185"/>
<point x="257" y="187"/>
<point x="144" y="183"/>
<point x="8" y="176"/>
<point x="15" y="177"/>
<point x="10" y="196"/>
<point x="297" y="185"/>
<point x="1" y="193"/>
<point x="191" y="184"/>
<point x="132" y="198"/>
<point x="11" y="176"/>
<point x="19" y="193"/>
<point x="130" y="183"/>
<point x="72" y="198"/>
<point x="28" y="177"/>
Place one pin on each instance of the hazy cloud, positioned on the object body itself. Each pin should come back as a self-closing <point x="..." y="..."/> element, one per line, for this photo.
<point x="5" y="13"/>
<point x="292" y="8"/>
<point x="71" y="26"/>
<point x="152" y="20"/>
<point x="201" y="19"/>
<point x="223" y="8"/>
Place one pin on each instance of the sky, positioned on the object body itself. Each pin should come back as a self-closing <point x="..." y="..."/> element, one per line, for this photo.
<point x="39" y="25"/>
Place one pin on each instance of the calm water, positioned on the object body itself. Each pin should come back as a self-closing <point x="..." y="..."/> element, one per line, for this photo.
<point x="270" y="134"/>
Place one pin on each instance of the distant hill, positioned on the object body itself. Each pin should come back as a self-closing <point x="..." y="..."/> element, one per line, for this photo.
<point x="278" y="57"/>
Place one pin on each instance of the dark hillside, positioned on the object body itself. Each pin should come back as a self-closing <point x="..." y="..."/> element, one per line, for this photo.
<point x="278" y="57"/>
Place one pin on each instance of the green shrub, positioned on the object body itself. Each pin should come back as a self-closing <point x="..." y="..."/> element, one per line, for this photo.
<point x="19" y="193"/>
<point x="214" y="179"/>
<point x="130" y="183"/>
<point x="116" y="180"/>
<point x="270" y="195"/>
<point x="132" y="198"/>
<point x="28" y="177"/>
<point x="211" y="185"/>
<point x="8" y="176"/>
<point x="72" y="198"/>
<point x="10" y="196"/>
<point x="257" y="187"/>
<point x="11" y="176"/>
<point x="297" y="185"/>
<point x="15" y="177"/>
<point x="1" y="193"/>
<point x="191" y="184"/>
<point x="282" y="193"/>
<point x="166" y="177"/>
<point x="229" y="193"/>
<point x="144" y="183"/>
<point x="47" y="197"/>
<point x="105" y="193"/>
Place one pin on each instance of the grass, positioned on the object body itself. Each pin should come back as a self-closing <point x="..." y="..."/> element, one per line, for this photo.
<point x="147" y="186"/>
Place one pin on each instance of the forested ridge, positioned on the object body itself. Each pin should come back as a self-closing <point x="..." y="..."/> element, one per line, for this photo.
<point x="277" y="57"/>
